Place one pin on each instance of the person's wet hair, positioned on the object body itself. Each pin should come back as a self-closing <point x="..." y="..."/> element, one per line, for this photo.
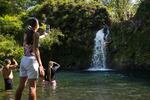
<point x="50" y="63"/>
<point x="7" y="61"/>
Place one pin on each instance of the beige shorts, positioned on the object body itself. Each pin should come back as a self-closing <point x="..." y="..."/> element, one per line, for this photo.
<point x="29" y="67"/>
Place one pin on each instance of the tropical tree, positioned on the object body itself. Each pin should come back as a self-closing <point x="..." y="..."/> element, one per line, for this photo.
<point x="12" y="7"/>
<point x="121" y="9"/>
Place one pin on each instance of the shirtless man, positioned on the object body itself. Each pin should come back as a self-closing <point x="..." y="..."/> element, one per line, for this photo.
<point x="8" y="74"/>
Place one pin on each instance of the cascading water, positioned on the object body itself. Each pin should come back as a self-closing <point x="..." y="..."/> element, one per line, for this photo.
<point x="99" y="52"/>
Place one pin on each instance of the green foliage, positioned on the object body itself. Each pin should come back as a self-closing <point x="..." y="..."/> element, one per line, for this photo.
<point x="131" y="40"/>
<point x="74" y="24"/>
<point x="6" y="7"/>
<point x="50" y="39"/>
<point x="46" y="44"/>
<point x="10" y="25"/>
<point x="9" y="48"/>
<point x="14" y="7"/>
<point x="121" y="9"/>
<point x="78" y="21"/>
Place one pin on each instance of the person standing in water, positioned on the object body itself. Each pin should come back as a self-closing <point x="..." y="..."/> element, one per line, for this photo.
<point x="31" y="64"/>
<point x="50" y="72"/>
<point x="8" y="74"/>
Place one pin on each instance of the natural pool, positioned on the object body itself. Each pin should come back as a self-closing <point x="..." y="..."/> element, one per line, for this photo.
<point x="89" y="86"/>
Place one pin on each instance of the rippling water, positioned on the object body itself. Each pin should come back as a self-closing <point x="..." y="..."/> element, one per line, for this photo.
<point x="88" y="86"/>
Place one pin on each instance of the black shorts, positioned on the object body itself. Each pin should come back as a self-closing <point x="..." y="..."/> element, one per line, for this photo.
<point x="8" y="84"/>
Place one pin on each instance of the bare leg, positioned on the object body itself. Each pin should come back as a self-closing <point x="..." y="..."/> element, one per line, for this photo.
<point x="32" y="89"/>
<point x="20" y="89"/>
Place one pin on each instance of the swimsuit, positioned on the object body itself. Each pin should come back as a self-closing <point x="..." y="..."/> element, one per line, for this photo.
<point x="8" y="84"/>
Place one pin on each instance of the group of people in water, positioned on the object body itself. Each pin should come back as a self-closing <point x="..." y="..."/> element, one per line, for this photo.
<point x="31" y="67"/>
<point x="11" y="64"/>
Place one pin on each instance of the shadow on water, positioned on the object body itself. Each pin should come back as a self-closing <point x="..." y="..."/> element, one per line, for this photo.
<point x="137" y="76"/>
<point x="140" y="76"/>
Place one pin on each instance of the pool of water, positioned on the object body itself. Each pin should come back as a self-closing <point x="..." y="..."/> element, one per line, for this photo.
<point x="88" y="86"/>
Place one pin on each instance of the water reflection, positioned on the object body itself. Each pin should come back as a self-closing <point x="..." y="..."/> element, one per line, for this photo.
<point x="46" y="89"/>
<point x="8" y="95"/>
<point x="87" y="86"/>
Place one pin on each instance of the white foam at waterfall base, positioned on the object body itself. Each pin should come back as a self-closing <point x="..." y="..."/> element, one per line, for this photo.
<point x="99" y="69"/>
<point x="99" y="53"/>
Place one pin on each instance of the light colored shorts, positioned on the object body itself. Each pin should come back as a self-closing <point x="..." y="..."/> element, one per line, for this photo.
<point x="29" y="67"/>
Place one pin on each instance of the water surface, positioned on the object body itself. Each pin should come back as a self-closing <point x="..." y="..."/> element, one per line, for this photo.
<point x="88" y="86"/>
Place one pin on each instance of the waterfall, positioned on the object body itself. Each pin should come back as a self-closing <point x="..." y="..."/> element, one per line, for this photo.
<point x="99" y="52"/>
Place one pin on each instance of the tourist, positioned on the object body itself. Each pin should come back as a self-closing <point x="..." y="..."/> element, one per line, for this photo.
<point x="8" y="74"/>
<point x="50" y="72"/>
<point x="31" y="61"/>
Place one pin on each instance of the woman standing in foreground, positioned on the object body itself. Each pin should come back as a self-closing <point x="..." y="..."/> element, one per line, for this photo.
<point x="31" y="60"/>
